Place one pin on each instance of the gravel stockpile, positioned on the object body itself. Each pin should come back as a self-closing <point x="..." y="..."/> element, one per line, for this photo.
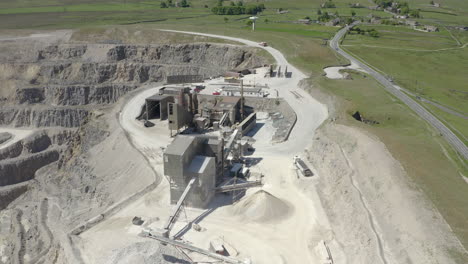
<point x="148" y="253"/>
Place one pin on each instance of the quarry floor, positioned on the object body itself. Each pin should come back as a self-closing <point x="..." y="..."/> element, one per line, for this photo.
<point x="260" y="224"/>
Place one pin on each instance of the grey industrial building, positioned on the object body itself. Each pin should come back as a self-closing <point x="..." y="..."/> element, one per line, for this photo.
<point x="247" y="124"/>
<point x="182" y="109"/>
<point x="236" y="91"/>
<point x="175" y="103"/>
<point x="196" y="162"/>
<point x="194" y="156"/>
<point x="156" y="106"/>
<point x="215" y="109"/>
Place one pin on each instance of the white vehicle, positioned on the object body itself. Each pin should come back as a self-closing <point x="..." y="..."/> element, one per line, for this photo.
<point x="302" y="167"/>
<point x="245" y="172"/>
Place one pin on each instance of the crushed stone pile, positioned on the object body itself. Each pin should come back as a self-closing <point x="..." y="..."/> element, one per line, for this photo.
<point x="262" y="206"/>
<point x="148" y="253"/>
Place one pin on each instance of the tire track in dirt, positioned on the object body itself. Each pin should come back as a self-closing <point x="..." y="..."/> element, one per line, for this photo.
<point x="366" y="208"/>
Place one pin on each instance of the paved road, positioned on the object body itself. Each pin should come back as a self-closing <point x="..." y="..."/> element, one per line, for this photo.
<point x="416" y="107"/>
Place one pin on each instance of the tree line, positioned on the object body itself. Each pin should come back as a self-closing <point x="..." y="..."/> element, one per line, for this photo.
<point x="395" y="5"/>
<point x="237" y="8"/>
<point x="371" y="32"/>
<point x="170" y="3"/>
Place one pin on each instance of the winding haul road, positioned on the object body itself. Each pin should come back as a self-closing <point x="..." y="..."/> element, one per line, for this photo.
<point x="459" y="146"/>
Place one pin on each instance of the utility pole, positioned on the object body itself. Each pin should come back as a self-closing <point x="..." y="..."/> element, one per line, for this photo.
<point x="242" y="100"/>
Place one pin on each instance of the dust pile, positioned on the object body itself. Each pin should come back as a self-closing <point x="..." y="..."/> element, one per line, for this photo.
<point x="262" y="206"/>
<point x="146" y="253"/>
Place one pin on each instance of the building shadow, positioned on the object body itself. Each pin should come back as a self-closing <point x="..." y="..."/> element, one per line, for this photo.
<point x="172" y="259"/>
<point x="197" y="220"/>
<point x="255" y="129"/>
<point x="148" y="123"/>
<point x="252" y="161"/>
<point x="220" y="200"/>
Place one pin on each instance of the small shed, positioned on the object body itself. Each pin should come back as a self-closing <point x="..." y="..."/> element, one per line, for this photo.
<point x="304" y="21"/>
<point x="411" y="23"/>
<point x="431" y="28"/>
<point x="333" y="22"/>
<point x="217" y="246"/>
<point x="156" y="106"/>
<point x="232" y="74"/>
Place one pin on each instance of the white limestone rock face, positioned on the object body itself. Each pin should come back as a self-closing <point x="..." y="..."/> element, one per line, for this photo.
<point x="4" y="137"/>
<point x="56" y="85"/>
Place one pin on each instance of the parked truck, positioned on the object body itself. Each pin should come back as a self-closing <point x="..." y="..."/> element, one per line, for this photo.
<point x="302" y="167"/>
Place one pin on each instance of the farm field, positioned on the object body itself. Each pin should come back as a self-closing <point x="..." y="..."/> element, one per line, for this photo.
<point x="66" y="13"/>
<point x="429" y="65"/>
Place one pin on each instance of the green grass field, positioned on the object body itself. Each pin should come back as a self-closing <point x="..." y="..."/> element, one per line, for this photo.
<point x="427" y="158"/>
<point x="68" y="13"/>
<point x="430" y="65"/>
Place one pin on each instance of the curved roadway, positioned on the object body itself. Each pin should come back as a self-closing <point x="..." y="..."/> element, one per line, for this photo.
<point x="457" y="144"/>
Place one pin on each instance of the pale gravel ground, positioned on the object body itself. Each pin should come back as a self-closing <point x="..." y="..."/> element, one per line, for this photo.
<point x="18" y="134"/>
<point x="49" y="37"/>
<point x="263" y="241"/>
<point x="393" y="222"/>
<point x="335" y="72"/>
